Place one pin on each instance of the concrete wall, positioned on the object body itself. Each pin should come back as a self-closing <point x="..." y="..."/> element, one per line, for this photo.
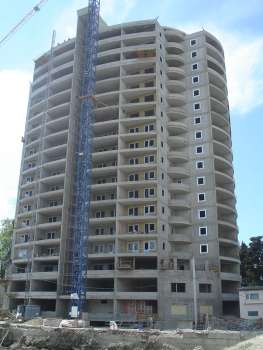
<point x="251" y="301"/>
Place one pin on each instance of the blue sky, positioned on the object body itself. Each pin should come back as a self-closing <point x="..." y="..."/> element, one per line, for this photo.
<point x="236" y="23"/>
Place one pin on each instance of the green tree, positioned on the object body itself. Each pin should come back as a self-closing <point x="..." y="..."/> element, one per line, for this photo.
<point x="256" y="260"/>
<point x="245" y="263"/>
<point x="251" y="257"/>
<point x="6" y="231"/>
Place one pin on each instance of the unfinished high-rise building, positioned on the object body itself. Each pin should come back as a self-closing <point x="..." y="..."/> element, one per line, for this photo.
<point x="162" y="236"/>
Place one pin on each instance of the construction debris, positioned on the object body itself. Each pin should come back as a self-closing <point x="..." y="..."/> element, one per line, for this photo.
<point x="47" y="336"/>
<point x="255" y="343"/>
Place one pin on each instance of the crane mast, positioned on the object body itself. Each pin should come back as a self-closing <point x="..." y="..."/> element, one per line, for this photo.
<point x="80" y="229"/>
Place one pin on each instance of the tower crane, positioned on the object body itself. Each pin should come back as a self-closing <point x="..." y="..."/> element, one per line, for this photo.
<point x="30" y="14"/>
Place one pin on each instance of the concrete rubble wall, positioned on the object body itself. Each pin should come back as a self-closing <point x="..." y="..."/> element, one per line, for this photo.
<point x="33" y="338"/>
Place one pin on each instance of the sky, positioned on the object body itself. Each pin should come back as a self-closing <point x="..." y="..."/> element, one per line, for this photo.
<point x="236" y="23"/>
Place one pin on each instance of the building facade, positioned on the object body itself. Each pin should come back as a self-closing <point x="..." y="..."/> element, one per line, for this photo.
<point x="162" y="219"/>
<point x="251" y="303"/>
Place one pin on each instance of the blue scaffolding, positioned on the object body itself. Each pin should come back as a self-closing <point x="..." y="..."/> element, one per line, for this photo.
<point x="80" y="229"/>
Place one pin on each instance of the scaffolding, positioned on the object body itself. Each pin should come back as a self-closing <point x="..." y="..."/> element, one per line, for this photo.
<point x="80" y="229"/>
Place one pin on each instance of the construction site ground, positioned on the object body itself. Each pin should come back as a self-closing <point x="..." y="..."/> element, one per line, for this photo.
<point x="47" y="335"/>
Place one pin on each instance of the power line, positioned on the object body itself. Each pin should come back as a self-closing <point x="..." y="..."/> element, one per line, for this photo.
<point x="30" y="14"/>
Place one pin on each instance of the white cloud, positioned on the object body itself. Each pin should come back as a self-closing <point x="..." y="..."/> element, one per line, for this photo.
<point x="244" y="72"/>
<point x="14" y="89"/>
<point x="112" y="11"/>
<point x="243" y="57"/>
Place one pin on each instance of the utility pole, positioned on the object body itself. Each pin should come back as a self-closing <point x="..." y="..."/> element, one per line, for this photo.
<point x="194" y="291"/>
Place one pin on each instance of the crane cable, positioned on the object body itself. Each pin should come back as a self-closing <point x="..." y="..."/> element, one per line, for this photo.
<point x="30" y="14"/>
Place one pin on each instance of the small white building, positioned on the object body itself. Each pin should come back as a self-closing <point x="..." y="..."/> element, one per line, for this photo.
<point x="251" y="302"/>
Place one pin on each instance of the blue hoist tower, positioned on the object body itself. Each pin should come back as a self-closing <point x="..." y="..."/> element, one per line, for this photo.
<point x="80" y="227"/>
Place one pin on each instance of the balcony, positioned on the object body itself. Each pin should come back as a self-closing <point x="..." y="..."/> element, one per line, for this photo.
<point x="218" y="93"/>
<point x="224" y="180"/>
<point x="177" y="128"/>
<point x="139" y="236"/>
<point x="216" y="65"/>
<point x="221" y="121"/>
<point x="225" y="209"/>
<point x="109" y="45"/>
<point x="104" y="171"/>
<point x="35" y="295"/>
<point x="178" y="156"/>
<point x="49" y="225"/>
<point x="230" y="276"/>
<point x="53" y="179"/>
<point x="138" y="136"/>
<point x="218" y="106"/>
<point x="221" y="135"/>
<point x="174" y="35"/>
<point x="215" y="53"/>
<point x="105" y="143"/>
<point x="102" y="203"/>
<point x="221" y="149"/>
<point x="104" y="186"/>
<point x="101" y="238"/>
<point x="174" y="48"/>
<point x="140" y="200"/>
<point x="139" y="218"/>
<point x="228" y="242"/>
<point x="133" y="93"/>
<point x="59" y="98"/>
<point x="106" y="99"/>
<point x="177" y="141"/>
<point x="179" y="221"/>
<point x="138" y="151"/>
<point x="57" y="137"/>
<point x="58" y="124"/>
<point x="138" y="106"/>
<point x="55" y="151"/>
<point x="104" y="155"/>
<point x="99" y="295"/>
<point x="127" y="169"/>
<point x="106" y="113"/>
<point x="34" y="131"/>
<point x="223" y="165"/>
<point x="176" y="114"/>
<point x="228" y="258"/>
<point x="139" y="184"/>
<point x="137" y="295"/>
<point x="216" y="78"/>
<point x="59" y="111"/>
<point x="176" y="172"/>
<point x="175" y="100"/>
<point x="173" y="60"/>
<point x="45" y="256"/>
<point x="105" y="220"/>
<point x="175" y="73"/>
<point x="106" y="126"/>
<point x="223" y="194"/>
<point x="50" y="275"/>
<point x="180" y="238"/>
<point x="175" y="87"/>
<point x="179" y="204"/>
<point x="178" y="188"/>
<point x="227" y="225"/>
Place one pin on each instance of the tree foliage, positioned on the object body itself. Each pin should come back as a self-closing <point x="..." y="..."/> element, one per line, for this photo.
<point x="6" y="231"/>
<point x="251" y="257"/>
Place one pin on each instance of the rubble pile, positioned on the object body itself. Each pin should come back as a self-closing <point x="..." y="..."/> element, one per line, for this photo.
<point x="40" y="335"/>
<point x="255" y="343"/>
<point x="74" y="339"/>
